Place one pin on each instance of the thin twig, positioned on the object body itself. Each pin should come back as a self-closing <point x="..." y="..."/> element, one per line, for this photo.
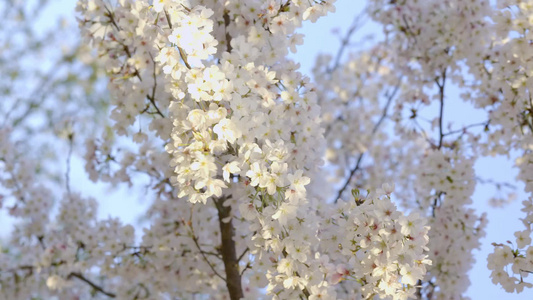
<point x="152" y="98"/>
<point x="183" y="56"/>
<point x="42" y="89"/>
<point x="92" y="284"/>
<point x="168" y="19"/>
<point x="352" y="172"/>
<point x="441" y="99"/>
<point x="248" y="266"/>
<point x="243" y="253"/>
<point x="67" y="172"/>
<point x="462" y="130"/>
<point x="346" y="40"/>
<point x="355" y="95"/>
<point x="498" y="185"/>
<point x="195" y="239"/>
<point x="374" y="130"/>
<point x="423" y="132"/>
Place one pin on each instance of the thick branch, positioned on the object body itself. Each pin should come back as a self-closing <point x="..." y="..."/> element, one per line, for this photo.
<point x="229" y="254"/>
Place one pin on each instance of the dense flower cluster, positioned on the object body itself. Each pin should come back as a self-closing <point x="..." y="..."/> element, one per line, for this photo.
<point x="384" y="252"/>
<point x="429" y="46"/>
<point x="519" y="258"/>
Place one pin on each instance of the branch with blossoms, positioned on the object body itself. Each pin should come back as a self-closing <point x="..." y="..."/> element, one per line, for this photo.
<point x="231" y="138"/>
<point x="519" y="256"/>
<point x="94" y="286"/>
<point x="374" y="130"/>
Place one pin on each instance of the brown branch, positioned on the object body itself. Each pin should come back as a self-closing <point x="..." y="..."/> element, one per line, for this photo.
<point x="418" y="293"/>
<point x="463" y="130"/>
<point x="152" y="97"/>
<point x="228" y="36"/>
<point x="111" y="17"/>
<point x="183" y="56"/>
<point x="434" y="206"/>
<point x="157" y="110"/>
<point x="243" y="253"/>
<point x="229" y="254"/>
<point x="168" y="19"/>
<point x="126" y="49"/>
<point x="248" y="266"/>
<point x="352" y="172"/>
<point x="69" y="156"/>
<point x="92" y="284"/>
<point x="203" y="253"/>
<point x="441" y="111"/>
<point x="374" y="130"/>
<point x="73" y="274"/>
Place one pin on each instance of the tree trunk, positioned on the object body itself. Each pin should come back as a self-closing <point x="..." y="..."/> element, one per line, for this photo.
<point x="229" y="255"/>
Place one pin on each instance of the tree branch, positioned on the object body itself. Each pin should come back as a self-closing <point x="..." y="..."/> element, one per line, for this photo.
<point x="67" y="172"/>
<point x="374" y="130"/>
<point x="441" y="111"/>
<point x="152" y="97"/>
<point x="346" y="40"/>
<point x="352" y="172"/>
<point x="229" y="254"/>
<point x="168" y="19"/>
<point x="92" y="284"/>
<point x="243" y="253"/>
<point x="463" y="130"/>
<point x="195" y="239"/>
<point x="183" y="56"/>
<point x="227" y="21"/>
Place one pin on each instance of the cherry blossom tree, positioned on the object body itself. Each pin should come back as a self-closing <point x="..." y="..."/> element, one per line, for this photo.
<point x="262" y="182"/>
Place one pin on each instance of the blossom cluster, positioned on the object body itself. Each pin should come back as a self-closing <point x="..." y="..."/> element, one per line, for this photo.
<point x="43" y="255"/>
<point x="206" y="104"/>
<point x="385" y="250"/>
<point x="429" y="46"/>
<point x="510" y="266"/>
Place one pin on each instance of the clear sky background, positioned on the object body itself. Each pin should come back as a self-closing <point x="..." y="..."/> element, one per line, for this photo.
<point x="319" y="38"/>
